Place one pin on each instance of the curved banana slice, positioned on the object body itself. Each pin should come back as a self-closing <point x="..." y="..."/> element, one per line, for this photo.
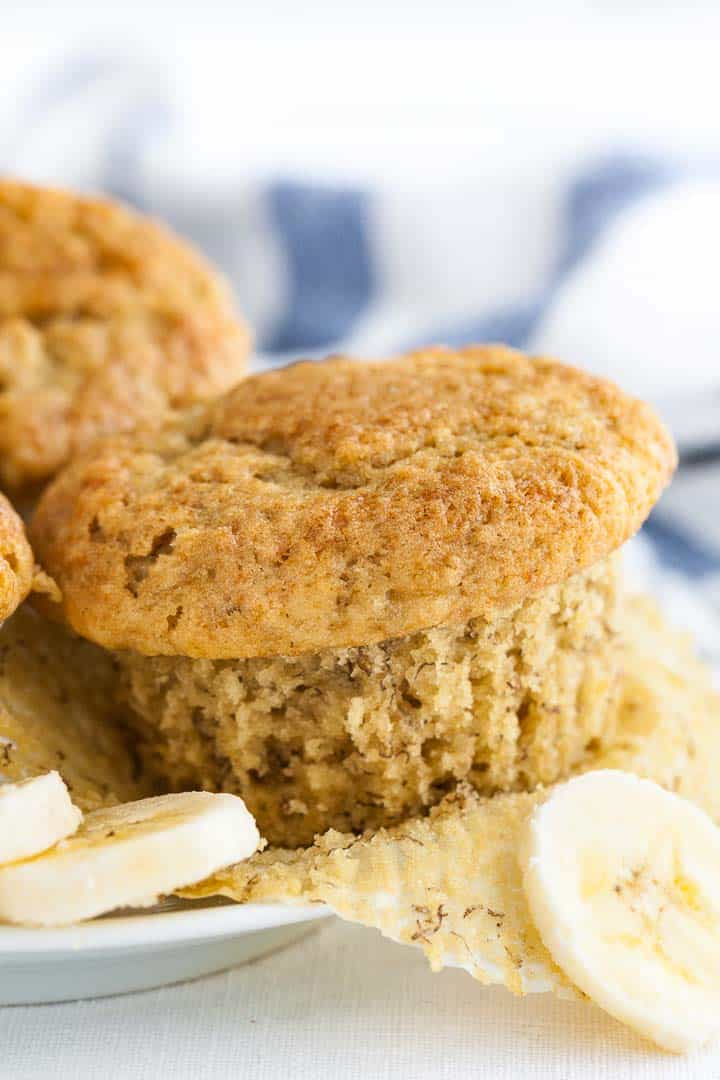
<point x="34" y="815"/>
<point x="128" y="855"/>
<point x="623" y="883"/>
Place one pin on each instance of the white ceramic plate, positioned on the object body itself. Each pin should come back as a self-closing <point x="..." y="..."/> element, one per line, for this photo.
<point x="137" y="951"/>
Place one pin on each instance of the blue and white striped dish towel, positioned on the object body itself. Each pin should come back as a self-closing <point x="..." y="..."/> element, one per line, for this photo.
<point x="614" y="267"/>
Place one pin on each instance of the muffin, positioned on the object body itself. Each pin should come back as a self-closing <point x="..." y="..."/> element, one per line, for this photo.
<point x="450" y="882"/>
<point x="106" y="319"/>
<point x="57" y="712"/>
<point x="345" y="587"/>
<point x="16" y="560"/>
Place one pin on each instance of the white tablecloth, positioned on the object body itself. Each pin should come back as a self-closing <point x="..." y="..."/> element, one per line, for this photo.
<point x="343" y="1003"/>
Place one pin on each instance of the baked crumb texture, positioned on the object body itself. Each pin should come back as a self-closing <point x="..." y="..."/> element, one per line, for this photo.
<point x="357" y="738"/>
<point x="57" y="712"/>
<point x="449" y="883"/>
<point x="16" y="560"/>
<point x="106" y="320"/>
<point x="347" y="503"/>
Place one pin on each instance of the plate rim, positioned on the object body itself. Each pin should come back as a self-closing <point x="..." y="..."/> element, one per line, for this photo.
<point x="156" y="928"/>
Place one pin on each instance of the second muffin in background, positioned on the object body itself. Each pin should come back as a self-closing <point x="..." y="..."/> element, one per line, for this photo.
<point x="345" y="587"/>
<point x="106" y="319"/>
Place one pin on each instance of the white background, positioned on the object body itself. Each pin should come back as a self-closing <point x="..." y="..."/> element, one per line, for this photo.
<point x="342" y="1005"/>
<point x="384" y="89"/>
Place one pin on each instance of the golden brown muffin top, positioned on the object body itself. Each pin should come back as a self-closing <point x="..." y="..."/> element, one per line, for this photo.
<point x="16" y="560"/>
<point x="106" y="319"/>
<point x="346" y="502"/>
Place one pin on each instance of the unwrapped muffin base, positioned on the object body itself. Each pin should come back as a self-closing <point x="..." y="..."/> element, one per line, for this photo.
<point x="449" y="883"/>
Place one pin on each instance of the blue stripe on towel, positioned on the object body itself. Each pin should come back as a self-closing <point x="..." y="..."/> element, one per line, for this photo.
<point x="677" y="549"/>
<point x="511" y="326"/>
<point x="594" y="201"/>
<point x="324" y="234"/>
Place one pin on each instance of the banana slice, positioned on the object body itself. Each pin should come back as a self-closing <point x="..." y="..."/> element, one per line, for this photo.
<point x="34" y="815"/>
<point x="128" y="856"/>
<point x="623" y="883"/>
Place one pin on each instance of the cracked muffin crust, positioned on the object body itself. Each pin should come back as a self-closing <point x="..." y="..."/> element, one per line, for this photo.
<point x="106" y="320"/>
<point x="16" y="560"/>
<point x="362" y="737"/>
<point x="346" y="503"/>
